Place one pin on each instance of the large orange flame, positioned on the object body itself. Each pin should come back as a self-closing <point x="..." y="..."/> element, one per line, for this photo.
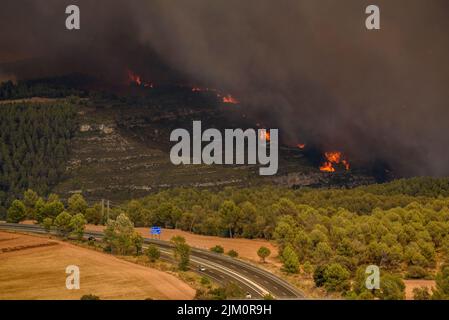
<point x="327" y="167"/>
<point x="332" y="158"/>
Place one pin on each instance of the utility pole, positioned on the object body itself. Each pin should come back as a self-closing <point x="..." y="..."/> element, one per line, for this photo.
<point x="102" y="209"/>
<point x="108" y="209"/>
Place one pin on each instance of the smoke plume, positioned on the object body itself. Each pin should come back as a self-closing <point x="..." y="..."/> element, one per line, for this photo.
<point x="309" y="66"/>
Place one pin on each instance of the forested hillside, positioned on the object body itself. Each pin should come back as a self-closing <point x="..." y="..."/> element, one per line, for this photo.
<point x="58" y="87"/>
<point x="34" y="147"/>
<point x="331" y="235"/>
<point x="402" y="227"/>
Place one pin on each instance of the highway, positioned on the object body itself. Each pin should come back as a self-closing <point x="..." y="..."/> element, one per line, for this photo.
<point x="219" y="268"/>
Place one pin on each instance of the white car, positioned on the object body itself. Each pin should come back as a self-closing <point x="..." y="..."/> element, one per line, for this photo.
<point x="201" y="268"/>
<point x="248" y="295"/>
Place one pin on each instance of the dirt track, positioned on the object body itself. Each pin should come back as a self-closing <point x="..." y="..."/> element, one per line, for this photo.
<point x="35" y="269"/>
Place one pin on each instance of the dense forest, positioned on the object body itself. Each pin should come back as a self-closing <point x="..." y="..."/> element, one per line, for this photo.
<point x="34" y="147"/>
<point x="57" y="87"/>
<point x="402" y="227"/>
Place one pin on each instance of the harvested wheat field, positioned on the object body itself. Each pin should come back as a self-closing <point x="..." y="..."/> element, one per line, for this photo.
<point x="33" y="267"/>
<point x="246" y="248"/>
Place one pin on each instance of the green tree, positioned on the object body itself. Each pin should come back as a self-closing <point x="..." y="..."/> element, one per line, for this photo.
<point x="181" y="252"/>
<point x="94" y="215"/>
<point x="177" y="240"/>
<point x="29" y="200"/>
<point x="307" y="268"/>
<point x="336" y="278"/>
<point x="47" y="223"/>
<point x="39" y="210"/>
<point x="138" y="242"/>
<point x="322" y="253"/>
<point x="77" y="225"/>
<point x="77" y="204"/>
<point x="152" y="252"/>
<point x="134" y="211"/>
<point x="441" y="291"/>
<point x="318" y="275"/>
<point x="290" y="260"/>
<point x="34" y="144"/>
<point x="285" y="232"/>
<point x="230" y="214"/>
<point x="17" y="212"/>
<point x="62" y="223"/>
<point x="119" y="234"/>
<point x="392" y="288"/>
<point x="263" y="253"/>
<point x="51" y="210"/>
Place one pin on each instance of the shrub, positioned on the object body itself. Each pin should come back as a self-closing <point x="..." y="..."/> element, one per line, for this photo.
<point x="205" y="281"/>
<point x="90" y="297"/>
<point x="307" y="268"/>
<point x="217" y="249"/>
<point x="263" y="253"/>
<point x="233" y="253"/>
<point x="421" y="293"/>
<point x="318" y="276"/>
<point x="416" y="272"/>
<point x="153" y="253"/>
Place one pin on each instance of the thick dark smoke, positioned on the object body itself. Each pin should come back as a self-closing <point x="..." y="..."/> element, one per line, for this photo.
<point x="308" y="65"/>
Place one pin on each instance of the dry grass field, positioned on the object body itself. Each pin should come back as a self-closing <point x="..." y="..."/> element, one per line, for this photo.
<point x="33" y="267"/>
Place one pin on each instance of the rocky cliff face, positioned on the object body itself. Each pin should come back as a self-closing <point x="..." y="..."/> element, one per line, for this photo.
<point x="123" y="152"/>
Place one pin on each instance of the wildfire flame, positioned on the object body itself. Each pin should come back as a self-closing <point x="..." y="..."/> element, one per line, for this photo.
<point x="230" y="99"/>
<point x="332" y="158"/>
<point x="135" y="79"/>
<point x="301" y="145"/>
<point x="224" y="98"/>
<point x="264" y="135"/>
<point x="327" y="167"/>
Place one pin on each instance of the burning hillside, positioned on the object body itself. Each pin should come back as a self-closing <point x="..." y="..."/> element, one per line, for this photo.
<point x="332" y="160"/>
<point x="225" y="98"/>
<point x="137" y="80"/>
